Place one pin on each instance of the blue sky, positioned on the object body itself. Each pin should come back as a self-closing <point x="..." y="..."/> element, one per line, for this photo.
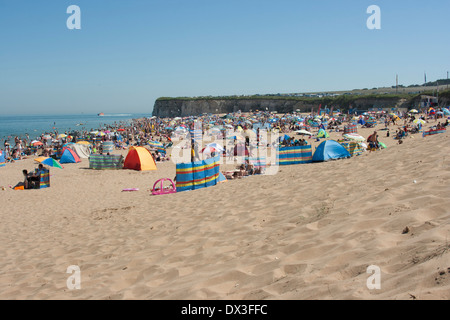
<point x="129" y="53"/>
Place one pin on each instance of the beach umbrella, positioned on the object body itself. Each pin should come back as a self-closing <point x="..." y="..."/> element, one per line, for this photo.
<point x="413" y="111"/>
<point x="215" y="130"/>
<point x="47" y="136"/>
<point x="62" y="135"/>
<point x="446" y="111"/>
<point x="156" y="144"/>
<point x="49" y="162"/>
<point x="303" y="132"/>
<point x="101" y="134"/>
<point x="94" y="132"/>
<point x="209" y="150"/>
<point x="419" y="121"/>
<point x="84" y="142"/>
<point x="36" y="143"/>
<point x="236" y="138"/>
<point x="354" y="136"/>
<point x="215" y="146"/>
<point x="120" y="130"/>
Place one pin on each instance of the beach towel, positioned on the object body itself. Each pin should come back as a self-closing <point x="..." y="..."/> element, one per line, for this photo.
<point x="197" y="175"/>
<point x="105" y="162"/>
<point x="294" y="155"/>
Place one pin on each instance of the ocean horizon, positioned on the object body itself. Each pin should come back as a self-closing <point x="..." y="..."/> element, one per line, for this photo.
<point x="35" y="125"/>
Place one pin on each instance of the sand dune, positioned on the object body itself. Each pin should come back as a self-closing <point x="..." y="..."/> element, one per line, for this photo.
<point x="309" y="232"/>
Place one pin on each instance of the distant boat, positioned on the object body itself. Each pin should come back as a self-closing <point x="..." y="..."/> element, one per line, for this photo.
<point x="101" y="114"/>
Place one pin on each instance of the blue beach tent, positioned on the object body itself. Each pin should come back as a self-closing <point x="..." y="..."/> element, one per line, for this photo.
<point x="69" y="156"/>
<point x="330" y="150"/>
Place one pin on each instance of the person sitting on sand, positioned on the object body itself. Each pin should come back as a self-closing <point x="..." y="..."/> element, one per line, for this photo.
<point x="373" y="140"/>
<point x="26" y="181"/>
<point x="34" y="178"/>
<point x="240" y="173"/>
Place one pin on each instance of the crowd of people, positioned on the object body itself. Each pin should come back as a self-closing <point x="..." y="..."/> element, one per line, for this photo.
<point x="142" y="132"/>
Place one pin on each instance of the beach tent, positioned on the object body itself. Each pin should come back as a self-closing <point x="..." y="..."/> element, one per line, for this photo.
<point x="323" y="134"/>
<point x="82" y="149"/>
<point x="221" y="178"/>
<point x="69" y="156"/>
<point x="330" y="150"/>
<point x="140" y="159"/>
<point x="2" y="159"/>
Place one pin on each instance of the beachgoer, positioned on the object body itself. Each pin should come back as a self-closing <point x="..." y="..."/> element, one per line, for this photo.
<point x="26" y="180"/>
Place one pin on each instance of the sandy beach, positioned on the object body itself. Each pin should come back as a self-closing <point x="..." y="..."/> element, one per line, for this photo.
<point x="309" y="232"/>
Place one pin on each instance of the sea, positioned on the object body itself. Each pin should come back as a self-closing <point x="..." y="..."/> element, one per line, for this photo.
<point x="34" y="125"/>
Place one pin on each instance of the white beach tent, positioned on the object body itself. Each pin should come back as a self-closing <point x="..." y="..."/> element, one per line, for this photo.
<point x="82" y="150"/>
